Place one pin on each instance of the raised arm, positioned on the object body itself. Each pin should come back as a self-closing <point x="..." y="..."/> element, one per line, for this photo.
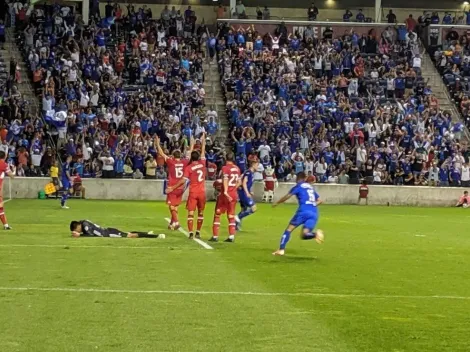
<point x="203" y="145"/>
<point x="159" y="148"/>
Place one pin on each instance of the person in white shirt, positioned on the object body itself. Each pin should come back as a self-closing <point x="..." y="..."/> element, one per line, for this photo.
<point x="108" y="165"/>
<point x="4" y="146"/>
<point x="258" y="174"/>
<point x="264" y="150"/>
<point x="417" y="64"/>
<point x="292" y="177"/>
<point x="361" y="156"/>
<point x="297" y="154"/>
<point x="84" y="99"/>
<point x="465" y="175"/>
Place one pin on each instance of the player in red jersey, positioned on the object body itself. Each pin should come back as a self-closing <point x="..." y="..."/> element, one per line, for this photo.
<point x="176" y="165"/>
<point x="195" y="172"/>
<point x="4" y="170"/>
<point x="227" y="200"/>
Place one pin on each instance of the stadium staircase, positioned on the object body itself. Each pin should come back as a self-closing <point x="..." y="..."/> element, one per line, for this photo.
<point x="439" y="89"/>
<point x="215" y="98"/>
<point x="25" y="87"/>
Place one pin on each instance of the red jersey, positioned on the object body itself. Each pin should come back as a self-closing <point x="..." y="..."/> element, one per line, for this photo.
<point x="195" y="172"/>
<point x="4" y="168"/>
<point x="231" y="172"/>
<point x="363" y="191"/>
<point x="175" y="170"/>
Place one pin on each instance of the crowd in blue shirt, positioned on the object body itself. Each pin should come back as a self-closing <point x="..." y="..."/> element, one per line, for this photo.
<point x="339" y="115"/>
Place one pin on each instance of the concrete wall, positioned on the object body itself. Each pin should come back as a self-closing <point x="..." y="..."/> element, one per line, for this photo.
<point x="331" y="194"/>
<point x="332" y="10"/>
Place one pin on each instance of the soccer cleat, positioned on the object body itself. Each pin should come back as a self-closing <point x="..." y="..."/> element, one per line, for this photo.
<point x="319" y="236"/>
<point x="214" y="239"/>
<point x="150" y="233"/>
<point x="7" y="227"/>
<point x="238" y="223"/>
<point x="170" y="226"/>
<point x="229" y="240"/>
<point x="65" y="207"/>
<point x="279" y="252"/>
<point x="176" y="226"/>
<point x="198" y="235"/>
<point x="191" y="235"/>
<point x="161" y="236"/>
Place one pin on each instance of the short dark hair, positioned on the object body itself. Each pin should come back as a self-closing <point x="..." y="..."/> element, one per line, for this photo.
<point x="301" y="176"/>
<point x="73" y="225"/>
<point x="195" y="155"/>
<point x="230" y="156"/>
<point x="177" y="154"/>
<point x="466" y="192"/>
<point x="2" y="155"/>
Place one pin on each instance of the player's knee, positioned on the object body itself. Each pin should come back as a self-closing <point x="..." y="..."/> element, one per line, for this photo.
<point x="191" y="213"/>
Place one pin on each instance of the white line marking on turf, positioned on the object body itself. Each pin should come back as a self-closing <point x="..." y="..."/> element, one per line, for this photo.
<point x="227" y="293"/>
<point x="7" y="200"/>
<point x="420" y="235"/>
<point x="183" y="231"/>
<point x="84" y="246"/>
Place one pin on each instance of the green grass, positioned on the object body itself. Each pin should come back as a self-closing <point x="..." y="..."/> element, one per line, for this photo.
<point x="386" y="279"/>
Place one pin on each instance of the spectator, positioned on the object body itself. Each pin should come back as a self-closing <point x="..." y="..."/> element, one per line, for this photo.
<point x="312" y="12"/>
<point x="150" y="168"/>
<point x="391" y="17"/>
<point x="266" y="13"/>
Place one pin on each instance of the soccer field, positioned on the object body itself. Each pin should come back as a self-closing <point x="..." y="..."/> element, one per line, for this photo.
<point x="386" y="279"/>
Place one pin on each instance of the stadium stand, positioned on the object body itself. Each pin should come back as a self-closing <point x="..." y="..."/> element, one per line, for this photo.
<point x="107" y="89"/>
<point x="341" y="108"/>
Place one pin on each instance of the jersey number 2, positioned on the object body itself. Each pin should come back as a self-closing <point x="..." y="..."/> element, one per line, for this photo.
<point x="232" y="182"/>
<point x="200" y="175"/>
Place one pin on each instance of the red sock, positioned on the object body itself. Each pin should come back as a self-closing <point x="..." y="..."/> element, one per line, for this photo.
<point x="200" y="220"/>
<point x="231" y="225"/>
<point x="216" y="226"/>
<point x="3" y="218"/>
<point x="174" y="216"/>
<point x="190" y="224"/>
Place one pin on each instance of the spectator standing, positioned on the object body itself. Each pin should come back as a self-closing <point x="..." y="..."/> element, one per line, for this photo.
<point x="391" y="17"/>
<point x="312" y="12"/>
<point x="266" y="13"/>
<point x="108" y="165"/>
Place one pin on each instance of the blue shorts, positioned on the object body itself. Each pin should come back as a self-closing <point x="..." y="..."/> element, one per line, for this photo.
<point x="245" y="202"/>
<point x="66" y="185"/>
<point x="307" y="219"/>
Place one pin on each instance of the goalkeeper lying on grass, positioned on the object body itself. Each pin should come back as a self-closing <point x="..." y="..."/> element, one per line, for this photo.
<point x="85" y="228"/>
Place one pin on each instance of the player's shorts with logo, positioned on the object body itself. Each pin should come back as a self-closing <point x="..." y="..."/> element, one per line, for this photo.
<point x="245" y="201"/>
<point x="196" y="201"/>
<point x="175" y="197"/>
<point x="224" y="205"/>
<point x="307" y="219"/>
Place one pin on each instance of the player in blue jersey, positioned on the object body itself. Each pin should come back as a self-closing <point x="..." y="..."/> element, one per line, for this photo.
<point x="306" y="214"/>
<point x="66" y="178"/>
<point x="247" y="203"/>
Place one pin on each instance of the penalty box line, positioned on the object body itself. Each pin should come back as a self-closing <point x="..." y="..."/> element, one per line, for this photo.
<point x="184" y="232"/>
<point x="229" y="293"/>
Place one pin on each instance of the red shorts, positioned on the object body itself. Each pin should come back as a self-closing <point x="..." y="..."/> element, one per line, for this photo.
<point x="196" y="201"/>
<point x="223" y="205"/>
<point x="175" y="197"/>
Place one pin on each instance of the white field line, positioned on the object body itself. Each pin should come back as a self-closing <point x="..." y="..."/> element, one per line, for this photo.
<point x="228" y="293"/>
<point x="183" y="231"/>
<point x="7" y="200"/>
<point x="71" y="246"/>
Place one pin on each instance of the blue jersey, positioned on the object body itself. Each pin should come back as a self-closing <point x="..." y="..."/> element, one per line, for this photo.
<point x="245" y="201"/>
<point x="65" y="179"/>
<point x="307" y="212"/>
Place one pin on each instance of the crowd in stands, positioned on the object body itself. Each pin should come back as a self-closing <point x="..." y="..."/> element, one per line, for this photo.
<point x="107" y="89"/>
<point x="340" y="108"/>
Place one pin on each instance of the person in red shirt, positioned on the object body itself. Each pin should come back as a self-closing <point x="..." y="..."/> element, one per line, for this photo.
<point x="363" y="192"/>
<point x="195" y="172"/>
<point x="227" y="200"/>
<point x="464" y="201"/>
<point x="176" y="165"/>
<point x="4" y="170"/>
